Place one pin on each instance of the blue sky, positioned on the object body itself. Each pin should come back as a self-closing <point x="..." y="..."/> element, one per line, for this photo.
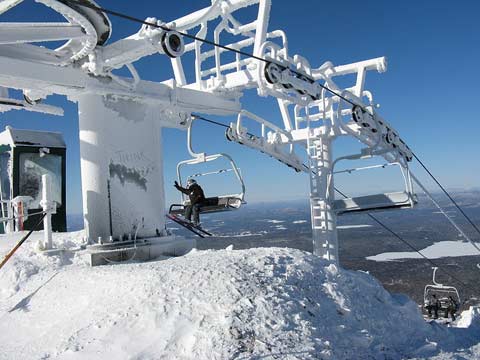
<point x="429" y="93"/>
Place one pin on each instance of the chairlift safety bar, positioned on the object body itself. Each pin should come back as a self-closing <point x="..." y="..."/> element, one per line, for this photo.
<point x="210" y="173"/>
<point x="364" y="168"/>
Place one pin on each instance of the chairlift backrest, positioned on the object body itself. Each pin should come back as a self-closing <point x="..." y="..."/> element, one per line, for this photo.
<point x="378" y="202"/>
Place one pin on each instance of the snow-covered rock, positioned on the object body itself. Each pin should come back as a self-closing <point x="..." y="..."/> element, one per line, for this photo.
<point x="230" y="304"/>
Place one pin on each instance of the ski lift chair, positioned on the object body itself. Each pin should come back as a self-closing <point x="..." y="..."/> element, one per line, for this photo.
<point x="215" y="204"/>
<point x="378" y="202"/>
<point x="443" y="292"/>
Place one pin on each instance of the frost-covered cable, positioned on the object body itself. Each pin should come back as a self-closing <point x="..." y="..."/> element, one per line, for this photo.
<point x="449" y="218"/>
<point x="199" y="117"/>
<point x="448" y="195"/>
<point x="2" y="220"/>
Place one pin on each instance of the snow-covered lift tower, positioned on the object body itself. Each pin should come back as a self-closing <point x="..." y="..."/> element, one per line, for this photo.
<point x="121" y="118"/>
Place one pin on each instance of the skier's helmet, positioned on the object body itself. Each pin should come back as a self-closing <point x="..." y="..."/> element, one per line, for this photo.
<point x="190" y="182"/>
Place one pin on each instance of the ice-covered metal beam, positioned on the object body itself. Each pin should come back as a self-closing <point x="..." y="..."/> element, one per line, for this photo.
<point x="16" y="33"/>
<point x="50" y="79"/>
<point x="7" y="104"/>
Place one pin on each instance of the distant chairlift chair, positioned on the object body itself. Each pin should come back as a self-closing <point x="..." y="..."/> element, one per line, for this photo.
<point x="442" y="292"/>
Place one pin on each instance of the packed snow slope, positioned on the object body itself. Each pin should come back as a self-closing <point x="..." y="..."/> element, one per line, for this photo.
<point x="265" y="303"/>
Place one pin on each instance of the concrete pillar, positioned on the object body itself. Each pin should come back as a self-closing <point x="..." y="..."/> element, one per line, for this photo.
<point x="121" y="165"/>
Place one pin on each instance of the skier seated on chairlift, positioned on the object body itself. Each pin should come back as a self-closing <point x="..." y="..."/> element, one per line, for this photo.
<point x="452" y="308"/>
<point x="432" y="303"/>
<point x="197" y="199"/>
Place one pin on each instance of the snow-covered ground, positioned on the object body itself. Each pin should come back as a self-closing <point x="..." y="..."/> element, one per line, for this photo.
<point x="359" y="226"/>
<point x="243" y="234"/>
<point x="265" y="303"/>
<point x="435" y="251"/>
<point x="274" y="221"/>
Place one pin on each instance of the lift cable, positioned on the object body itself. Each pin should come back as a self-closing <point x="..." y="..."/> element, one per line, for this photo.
<point x="193" y="37"/>
<point x="448" y="195"/>
<point x="199" y="117"/>
<point x="448" y="217"/>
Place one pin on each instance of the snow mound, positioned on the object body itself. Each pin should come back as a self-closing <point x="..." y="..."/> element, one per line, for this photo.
<point x="26" y="262"/>
<point x="228" y="304"/>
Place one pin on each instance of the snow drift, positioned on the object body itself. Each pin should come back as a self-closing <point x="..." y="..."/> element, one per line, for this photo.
<point x="228" y="304"/>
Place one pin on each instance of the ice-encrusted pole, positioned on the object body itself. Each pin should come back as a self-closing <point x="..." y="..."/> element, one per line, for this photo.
<point x="48" y="206"/>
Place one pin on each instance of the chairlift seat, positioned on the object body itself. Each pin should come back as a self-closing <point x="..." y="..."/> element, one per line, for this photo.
<point x="211" y="205"/>
<point x="220" y="203"/>
<point x="377" y="202"/>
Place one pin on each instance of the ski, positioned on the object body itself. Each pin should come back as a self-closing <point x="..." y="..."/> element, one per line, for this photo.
<point x="192" y="226"/>
<point x="197" y="231"/>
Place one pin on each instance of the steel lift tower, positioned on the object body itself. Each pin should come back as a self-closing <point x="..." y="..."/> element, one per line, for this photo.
<point x="120" y="118"/>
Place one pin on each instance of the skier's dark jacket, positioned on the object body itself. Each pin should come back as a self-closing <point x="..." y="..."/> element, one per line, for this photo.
<point x="194" y="192"/>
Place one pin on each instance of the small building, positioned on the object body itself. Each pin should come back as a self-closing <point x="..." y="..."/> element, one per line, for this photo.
<point x="26" y="155"/>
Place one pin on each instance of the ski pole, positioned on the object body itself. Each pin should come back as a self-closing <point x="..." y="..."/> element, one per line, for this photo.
<point x="9" y="255"/>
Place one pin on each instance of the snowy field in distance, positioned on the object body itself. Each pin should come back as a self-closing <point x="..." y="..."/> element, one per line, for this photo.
<point x="359" y="226"/>
<point x="269" y="303"/>
<point x="435" y="251"/>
